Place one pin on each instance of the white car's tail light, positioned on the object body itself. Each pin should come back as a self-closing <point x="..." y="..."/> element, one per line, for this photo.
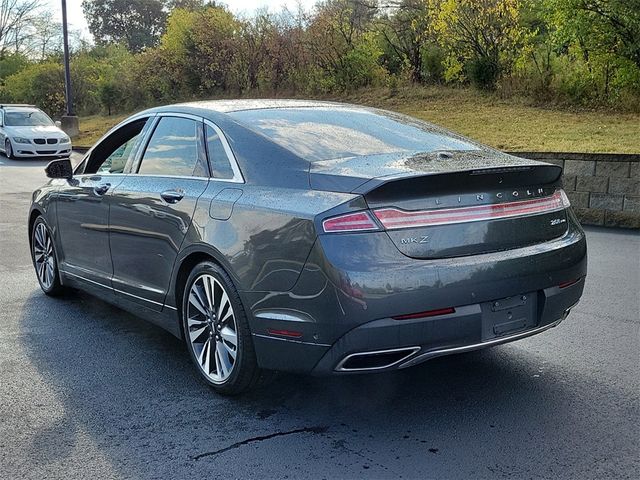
<point x="393" y="218"/>
<point x="350" y="222"/>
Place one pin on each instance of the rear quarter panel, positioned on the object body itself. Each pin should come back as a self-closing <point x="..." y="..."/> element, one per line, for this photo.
<point x="268" y="235"/>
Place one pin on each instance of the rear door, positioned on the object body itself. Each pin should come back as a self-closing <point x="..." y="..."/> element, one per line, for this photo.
<point x="152" y="208"/>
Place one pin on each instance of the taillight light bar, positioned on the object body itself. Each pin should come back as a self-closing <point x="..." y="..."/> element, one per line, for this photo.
<point x="350" y="222"/>
<point x="428" y="313"/>
<point x="393" y="218"/>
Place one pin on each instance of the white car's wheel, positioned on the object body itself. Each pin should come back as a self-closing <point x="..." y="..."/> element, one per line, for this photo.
<point x="8" y="149"/>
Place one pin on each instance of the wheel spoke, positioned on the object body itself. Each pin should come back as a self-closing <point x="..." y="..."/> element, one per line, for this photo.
<point x="41" y="271"/>
<point x="208" y="290"/>
<point x="38" y="238"/>
<point x="49" y="274"/>
<point x="195" y="334"/>
<point x="201" y="357"/>
<point x="224" y="301"/>
<point x="227" y="316"/>
<point x="229" y="336"/>
<point x="196" y="301"/>
<point x="207" y="359"/>
<point x="231" y="351"/>
<point x="225" y="365"/>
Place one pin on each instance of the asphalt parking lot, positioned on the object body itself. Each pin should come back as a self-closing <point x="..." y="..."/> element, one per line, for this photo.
<point x="88" y="391"/>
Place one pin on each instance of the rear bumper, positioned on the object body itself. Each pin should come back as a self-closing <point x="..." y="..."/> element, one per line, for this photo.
<point x="389" y="344"/>
<point x="430" y="338"/>
<point x="344" y="301"/>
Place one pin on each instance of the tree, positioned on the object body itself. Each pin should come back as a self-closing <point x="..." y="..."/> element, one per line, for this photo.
<point x="137" y="24"/>
<point x="406" y="31"/>
<point x="483" y="36"/>
<point x="47" y="37"/>
<point x="340" y="41"/>
<point x="602" y="26"/>
<point x="110" y="93"/>
<point x="16" y="17"/>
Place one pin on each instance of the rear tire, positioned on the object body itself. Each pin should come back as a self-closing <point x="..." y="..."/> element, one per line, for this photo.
<point x="8" y="149"/>
<point x="216" y="331"/>
<point x="44" y="258"/>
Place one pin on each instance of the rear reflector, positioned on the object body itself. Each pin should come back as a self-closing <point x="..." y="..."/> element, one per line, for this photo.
<point x="429" y="313"/>
<point x="393" y="218"/>
<point x="284" y="333"/>
<point x="569" y="283"/>
<point x="351" y="222"/>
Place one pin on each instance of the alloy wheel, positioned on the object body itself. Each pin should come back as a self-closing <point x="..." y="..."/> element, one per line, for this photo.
<point x="44" y="256"/>
<point x="212" y="328"/>
<point x="7" y="149"/>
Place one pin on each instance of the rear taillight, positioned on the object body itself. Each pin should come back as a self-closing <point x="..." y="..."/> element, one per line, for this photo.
<point x="393" y="218"/>
<point x="350" y="222"/>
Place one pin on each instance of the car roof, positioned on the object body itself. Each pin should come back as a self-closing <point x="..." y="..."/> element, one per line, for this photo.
<point x="214" y="109"/>
<point x="227" y="106"/>
<point x="20" y="108"/>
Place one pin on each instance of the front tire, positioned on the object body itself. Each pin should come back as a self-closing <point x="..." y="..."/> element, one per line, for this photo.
<point x="44" y="258"/>
<point x="216" y="331"/>
<point x="8" y="149"/>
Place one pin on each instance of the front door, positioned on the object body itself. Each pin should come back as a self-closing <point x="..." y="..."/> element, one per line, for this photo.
<point x="151" y="210"/>
<point x="83" y="206"/>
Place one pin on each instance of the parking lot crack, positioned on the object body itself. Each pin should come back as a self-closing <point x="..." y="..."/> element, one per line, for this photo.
<point x="262" y="438"/>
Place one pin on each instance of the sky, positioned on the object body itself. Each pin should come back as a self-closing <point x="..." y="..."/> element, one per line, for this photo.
<point x="77" y="21"/>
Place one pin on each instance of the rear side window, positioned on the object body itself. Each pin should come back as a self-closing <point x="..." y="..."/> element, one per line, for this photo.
<point x="218" y="159"/>
<point x="174" y="149"/>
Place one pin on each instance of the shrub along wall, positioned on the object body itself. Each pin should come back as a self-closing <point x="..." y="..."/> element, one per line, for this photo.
<point x="604" y="189"/>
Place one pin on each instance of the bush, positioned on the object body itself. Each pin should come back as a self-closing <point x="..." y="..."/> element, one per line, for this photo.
<point x="433" y="58"/>
<point x="483" y="73"/>
<point x="40" y="84"/>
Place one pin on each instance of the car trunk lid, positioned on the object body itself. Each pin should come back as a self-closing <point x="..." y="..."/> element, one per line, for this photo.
<point x="448" y="204"/>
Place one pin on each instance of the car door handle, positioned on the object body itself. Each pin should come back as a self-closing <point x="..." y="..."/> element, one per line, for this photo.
<point x="172" y="196"/>
<point x="102" y="189"/>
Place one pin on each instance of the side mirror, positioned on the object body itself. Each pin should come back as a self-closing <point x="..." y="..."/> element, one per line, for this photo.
<point x="59" y="169"/>
<point x="58" y="124"/>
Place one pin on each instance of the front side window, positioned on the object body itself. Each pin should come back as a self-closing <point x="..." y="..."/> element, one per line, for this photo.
<point x="116" y="162"/>
<point x="174" y="149"/>
<point x="28" y="118"/>
<point x="112" y="154"/>
<point x="218" y="159"/>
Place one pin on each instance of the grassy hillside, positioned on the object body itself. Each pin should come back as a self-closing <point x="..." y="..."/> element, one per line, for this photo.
<point x="505" y="124"/>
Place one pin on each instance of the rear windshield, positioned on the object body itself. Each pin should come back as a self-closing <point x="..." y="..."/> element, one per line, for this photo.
<point x="329" y="133"/>
<point x="27" y="118"/>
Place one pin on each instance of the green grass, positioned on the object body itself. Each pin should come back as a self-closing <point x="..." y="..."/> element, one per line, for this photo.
<point x="93" y="127"/>
<point x="512" y="125"/>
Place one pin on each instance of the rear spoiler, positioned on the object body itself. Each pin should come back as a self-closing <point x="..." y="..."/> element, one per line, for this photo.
<point x="474" y="180"/>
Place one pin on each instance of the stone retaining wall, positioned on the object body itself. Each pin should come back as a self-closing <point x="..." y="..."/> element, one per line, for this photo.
<point x="604" y="189"/>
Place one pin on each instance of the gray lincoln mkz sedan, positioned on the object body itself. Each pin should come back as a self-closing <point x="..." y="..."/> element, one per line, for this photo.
<point x="310" y="237"/>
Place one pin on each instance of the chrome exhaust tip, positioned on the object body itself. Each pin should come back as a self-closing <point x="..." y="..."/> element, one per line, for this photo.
<point x="377" y="360"/>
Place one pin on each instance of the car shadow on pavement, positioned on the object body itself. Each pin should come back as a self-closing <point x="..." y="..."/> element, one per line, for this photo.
<point x="130" y="386"/>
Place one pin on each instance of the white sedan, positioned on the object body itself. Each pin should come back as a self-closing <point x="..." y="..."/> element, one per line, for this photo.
<point x="27" y="132"/>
